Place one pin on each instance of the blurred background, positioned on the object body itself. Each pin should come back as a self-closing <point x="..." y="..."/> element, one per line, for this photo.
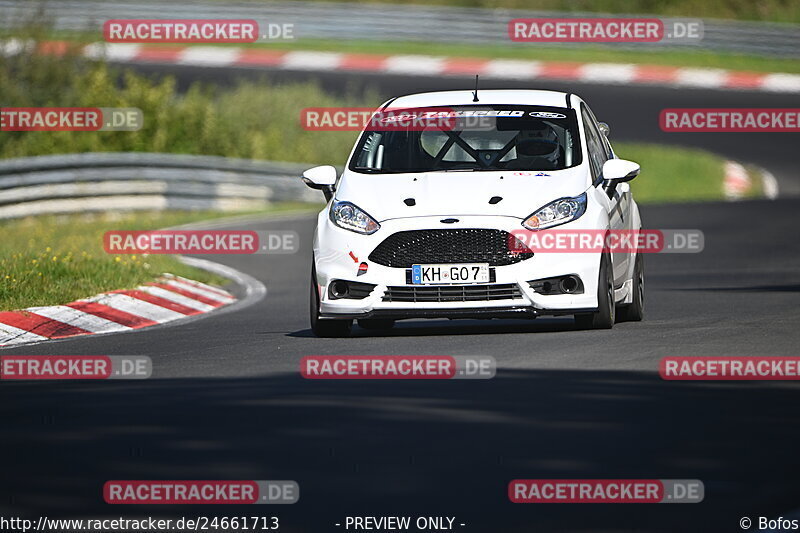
<point x="242" y="103"/>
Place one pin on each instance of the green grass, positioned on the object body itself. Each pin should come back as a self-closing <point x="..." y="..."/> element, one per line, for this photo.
<point x="52" y="260"/>
<point x="671" y="174"/>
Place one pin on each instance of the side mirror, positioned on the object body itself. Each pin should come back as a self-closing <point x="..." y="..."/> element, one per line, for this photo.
<point x="605" y="129"/>
<point x="619" y="170"/>
<point x="321" y="178"/>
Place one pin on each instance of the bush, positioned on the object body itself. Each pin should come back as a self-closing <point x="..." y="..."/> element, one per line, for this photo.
<point x="258" y="120"/>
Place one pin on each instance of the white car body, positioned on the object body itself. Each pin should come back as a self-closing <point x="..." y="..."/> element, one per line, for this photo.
<point x="465" y="196"/>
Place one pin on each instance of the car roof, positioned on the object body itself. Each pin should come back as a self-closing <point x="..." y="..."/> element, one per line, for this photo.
<point x="485" y="97"/>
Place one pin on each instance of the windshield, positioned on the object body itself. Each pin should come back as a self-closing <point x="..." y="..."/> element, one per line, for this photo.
<point x="505" y="138"/>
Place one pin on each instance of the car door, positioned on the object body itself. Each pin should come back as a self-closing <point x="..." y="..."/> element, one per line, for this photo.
<point x="619" y="199"/>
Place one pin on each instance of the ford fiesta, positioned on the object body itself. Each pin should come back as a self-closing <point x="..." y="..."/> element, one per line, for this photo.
<point x="423" y="221"/>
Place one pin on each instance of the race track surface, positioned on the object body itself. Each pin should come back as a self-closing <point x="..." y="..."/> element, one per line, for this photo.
<point x="227" y="402"/>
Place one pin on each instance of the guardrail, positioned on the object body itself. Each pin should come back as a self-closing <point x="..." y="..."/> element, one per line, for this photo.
<point x="144" y="181"/>
<point x="386" y="22"/>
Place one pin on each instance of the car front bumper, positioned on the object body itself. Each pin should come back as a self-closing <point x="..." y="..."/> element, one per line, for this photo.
<point x="338" y="254"/>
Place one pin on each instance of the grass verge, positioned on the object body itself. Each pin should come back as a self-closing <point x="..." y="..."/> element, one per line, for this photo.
<point x="673" y="174"/>
<point x="58" y="259"/>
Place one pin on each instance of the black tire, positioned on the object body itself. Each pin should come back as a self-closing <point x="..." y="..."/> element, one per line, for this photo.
<point x="325" y="327"/>
<point x="604" y="317"/>
<point x="377" y="324"/>
<point x="634" y="312"/>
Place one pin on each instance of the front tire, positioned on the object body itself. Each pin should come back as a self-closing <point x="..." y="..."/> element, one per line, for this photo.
<point x="604" y="317"/>
<point x="634" y="312"/>
<point x="325" y="327"/>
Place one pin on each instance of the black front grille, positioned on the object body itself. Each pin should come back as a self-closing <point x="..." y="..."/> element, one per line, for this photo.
<point x="453" y="293"/>
<point x="407" y="248"/>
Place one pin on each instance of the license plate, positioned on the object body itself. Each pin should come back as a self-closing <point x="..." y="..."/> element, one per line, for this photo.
<point x="457" y="273"/>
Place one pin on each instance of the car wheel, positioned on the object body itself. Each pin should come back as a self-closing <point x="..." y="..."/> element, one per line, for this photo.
<point x="603" y="318"/>
<point x="325" y="327"/>
<point x="376" y="323"/>
<point x="634" y="312"/>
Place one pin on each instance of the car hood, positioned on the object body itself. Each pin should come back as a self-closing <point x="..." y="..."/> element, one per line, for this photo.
<point x="384" y="196"/>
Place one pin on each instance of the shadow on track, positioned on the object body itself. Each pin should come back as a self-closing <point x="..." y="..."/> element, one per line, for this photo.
<point x="409" y="447"/>
<point x="422" y="328"/>
<point x="756" y="288"/>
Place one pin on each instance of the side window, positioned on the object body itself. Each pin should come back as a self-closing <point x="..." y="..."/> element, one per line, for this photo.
<point x="369" y="151"/>
<point x="597" y="150"/>
<point x="603" y="138"/>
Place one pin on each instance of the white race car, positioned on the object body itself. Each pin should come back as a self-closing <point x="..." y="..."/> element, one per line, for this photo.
<point x="422" y="222"/>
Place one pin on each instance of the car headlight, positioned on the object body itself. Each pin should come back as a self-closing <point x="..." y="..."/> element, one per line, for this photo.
<point x="350" y="217"/>
<point x="557" y="212"/>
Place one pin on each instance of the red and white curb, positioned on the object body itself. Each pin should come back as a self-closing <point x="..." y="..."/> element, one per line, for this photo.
<point x="167" y="299"/>
<point x="421" y="65"/>
<point x="737" y="182"/>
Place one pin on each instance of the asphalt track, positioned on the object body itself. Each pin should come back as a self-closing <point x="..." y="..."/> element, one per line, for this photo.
<point x="226" y="401"/>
